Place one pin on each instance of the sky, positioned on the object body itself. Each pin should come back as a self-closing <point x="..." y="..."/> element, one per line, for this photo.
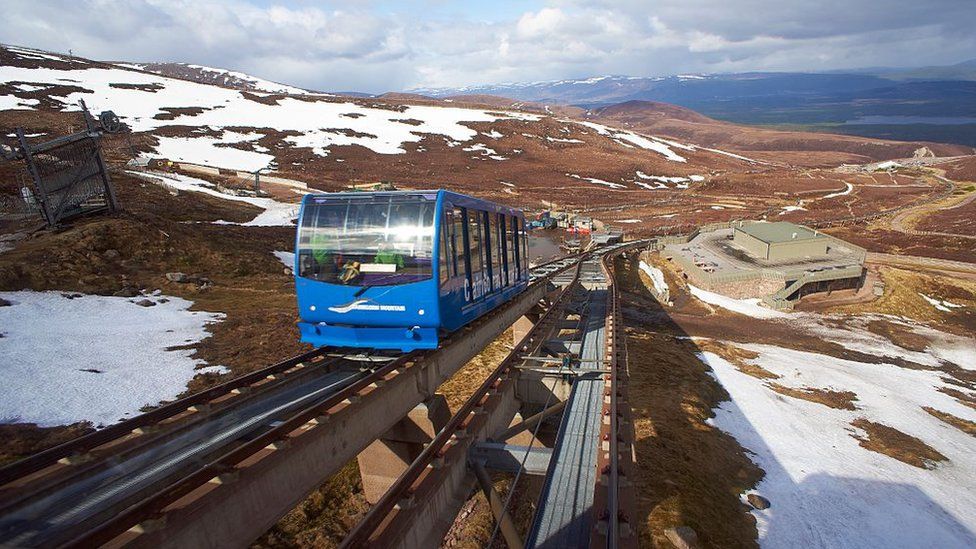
<point x="376" y="46"/>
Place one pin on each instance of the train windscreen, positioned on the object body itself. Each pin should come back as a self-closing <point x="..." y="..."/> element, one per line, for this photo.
<point x="367" y="241"/>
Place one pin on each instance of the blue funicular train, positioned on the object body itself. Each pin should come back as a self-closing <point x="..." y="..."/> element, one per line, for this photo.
<point x="393" y="270"/>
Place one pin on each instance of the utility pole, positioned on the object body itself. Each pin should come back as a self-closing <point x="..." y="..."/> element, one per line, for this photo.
<point x="257" y="179"/>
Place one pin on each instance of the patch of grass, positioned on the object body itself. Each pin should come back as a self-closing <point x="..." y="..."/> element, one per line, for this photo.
<point x="688" y="473"/>
<point x="738" y="357"/>
<point x="963" y="425"/>
<point x="21" y="440"/>
<point x="961" y="397"/>
<point x="899" y="334"/>
<point x="840" y="400"/>
<point x="891" y="442"/>
<point x="469" y="377"/>
<point x="902" y="299"/>
<point x="324" y="518"/>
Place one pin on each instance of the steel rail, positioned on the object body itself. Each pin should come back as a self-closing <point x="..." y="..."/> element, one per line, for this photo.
<point x="613" y="488"/>
<point x="226" y="463"/>
<point x="124" y="428"/>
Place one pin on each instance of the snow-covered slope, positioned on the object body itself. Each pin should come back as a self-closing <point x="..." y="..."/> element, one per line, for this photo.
<point x="149" y="102"/>
<point x="220" y="77"/>
<point x="103" y="357"/>
<point x="338" y="139"/>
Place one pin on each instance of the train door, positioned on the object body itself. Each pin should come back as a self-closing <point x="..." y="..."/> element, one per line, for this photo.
<point x="475" y="255"/>
<point x="461" y="268"/>
<point x="505" y="248"/>
<point x="494" y="250"/>
<point x="513" y="241"/>
<point x="524" y="239"/>
<point x="446" y="264"/>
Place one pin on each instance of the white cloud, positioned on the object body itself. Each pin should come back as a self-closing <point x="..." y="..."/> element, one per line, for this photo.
<point x="377" y="47"/>
<point x="539" y="23"/>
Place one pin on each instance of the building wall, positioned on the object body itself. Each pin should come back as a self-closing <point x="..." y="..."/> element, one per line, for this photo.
<point x="813" y="247"/>
<point x="751" y="244"/>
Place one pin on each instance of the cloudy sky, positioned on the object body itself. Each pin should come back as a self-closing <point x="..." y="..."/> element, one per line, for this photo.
<point x="383" y="45"/>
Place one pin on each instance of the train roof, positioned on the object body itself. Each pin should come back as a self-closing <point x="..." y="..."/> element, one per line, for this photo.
<point x="456" y="199"/>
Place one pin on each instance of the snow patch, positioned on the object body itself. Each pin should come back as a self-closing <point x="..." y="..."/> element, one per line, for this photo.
<point x="940" y="304"/>
<point x="275" y="213"/>
<point x="598" y="181"/>
<point x="93" y="358"/>
<point x="825" y="489"/>
<point x="788" y="209"/>
<point x="641" y="141"/>
<point x="286" y="258"/>
<point x="561" y="140"/>
<point x="657" y="277"/>
<point x="748" y="307"/>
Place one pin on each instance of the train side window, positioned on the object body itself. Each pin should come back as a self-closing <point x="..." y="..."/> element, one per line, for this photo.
<point x="513" y="241"/>
<point x="512" y="250"/>
<point x="495" y="250"/>
<point x="457" y="242"/>
<point x="476" y="250"/>
<point x="445" y="255"/>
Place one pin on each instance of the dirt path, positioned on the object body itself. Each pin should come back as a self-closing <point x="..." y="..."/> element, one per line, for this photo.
<point x="947" y="266"/>
<point x="905" y="220"/>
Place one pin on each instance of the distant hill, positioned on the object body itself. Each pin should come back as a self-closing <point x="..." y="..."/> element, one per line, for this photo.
<point x="932" y="103"/>
<point x="960" y="71"/>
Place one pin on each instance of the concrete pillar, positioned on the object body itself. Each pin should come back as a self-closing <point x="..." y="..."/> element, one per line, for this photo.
<point x="382" y="461"/>
<point x="525" y="324"/>
<point x="521" y="327"/>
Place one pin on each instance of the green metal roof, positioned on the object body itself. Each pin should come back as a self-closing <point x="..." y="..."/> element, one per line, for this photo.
<point x="780" y="231"/>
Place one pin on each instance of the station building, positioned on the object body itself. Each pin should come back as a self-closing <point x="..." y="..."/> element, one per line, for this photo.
<point x="779" y="262"/>
<point x="780" y="241"/>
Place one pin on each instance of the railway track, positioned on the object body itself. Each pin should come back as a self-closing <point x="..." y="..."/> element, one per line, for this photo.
<point x="118" y="482"/>
<point x="591" y="455"/>
<point x="97" y="479"/>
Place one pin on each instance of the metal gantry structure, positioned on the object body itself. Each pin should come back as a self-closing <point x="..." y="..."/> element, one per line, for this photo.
<point x="220" y="467"/>
<point x="68" y="173"/>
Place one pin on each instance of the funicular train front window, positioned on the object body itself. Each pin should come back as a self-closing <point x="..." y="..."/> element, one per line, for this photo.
<point x="367" y="241"/>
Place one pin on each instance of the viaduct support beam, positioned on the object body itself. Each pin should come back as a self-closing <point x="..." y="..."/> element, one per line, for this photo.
<point x="382" y="461"/>
<point x="524" y="324"/>
<point x="236" y="511"/>
<point x="425" y="518"/>
<point x="532" y="421"/>
<point x="509" y="532"/>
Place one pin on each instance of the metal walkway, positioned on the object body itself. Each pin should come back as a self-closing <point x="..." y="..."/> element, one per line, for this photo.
<point x="565" y="514"/>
